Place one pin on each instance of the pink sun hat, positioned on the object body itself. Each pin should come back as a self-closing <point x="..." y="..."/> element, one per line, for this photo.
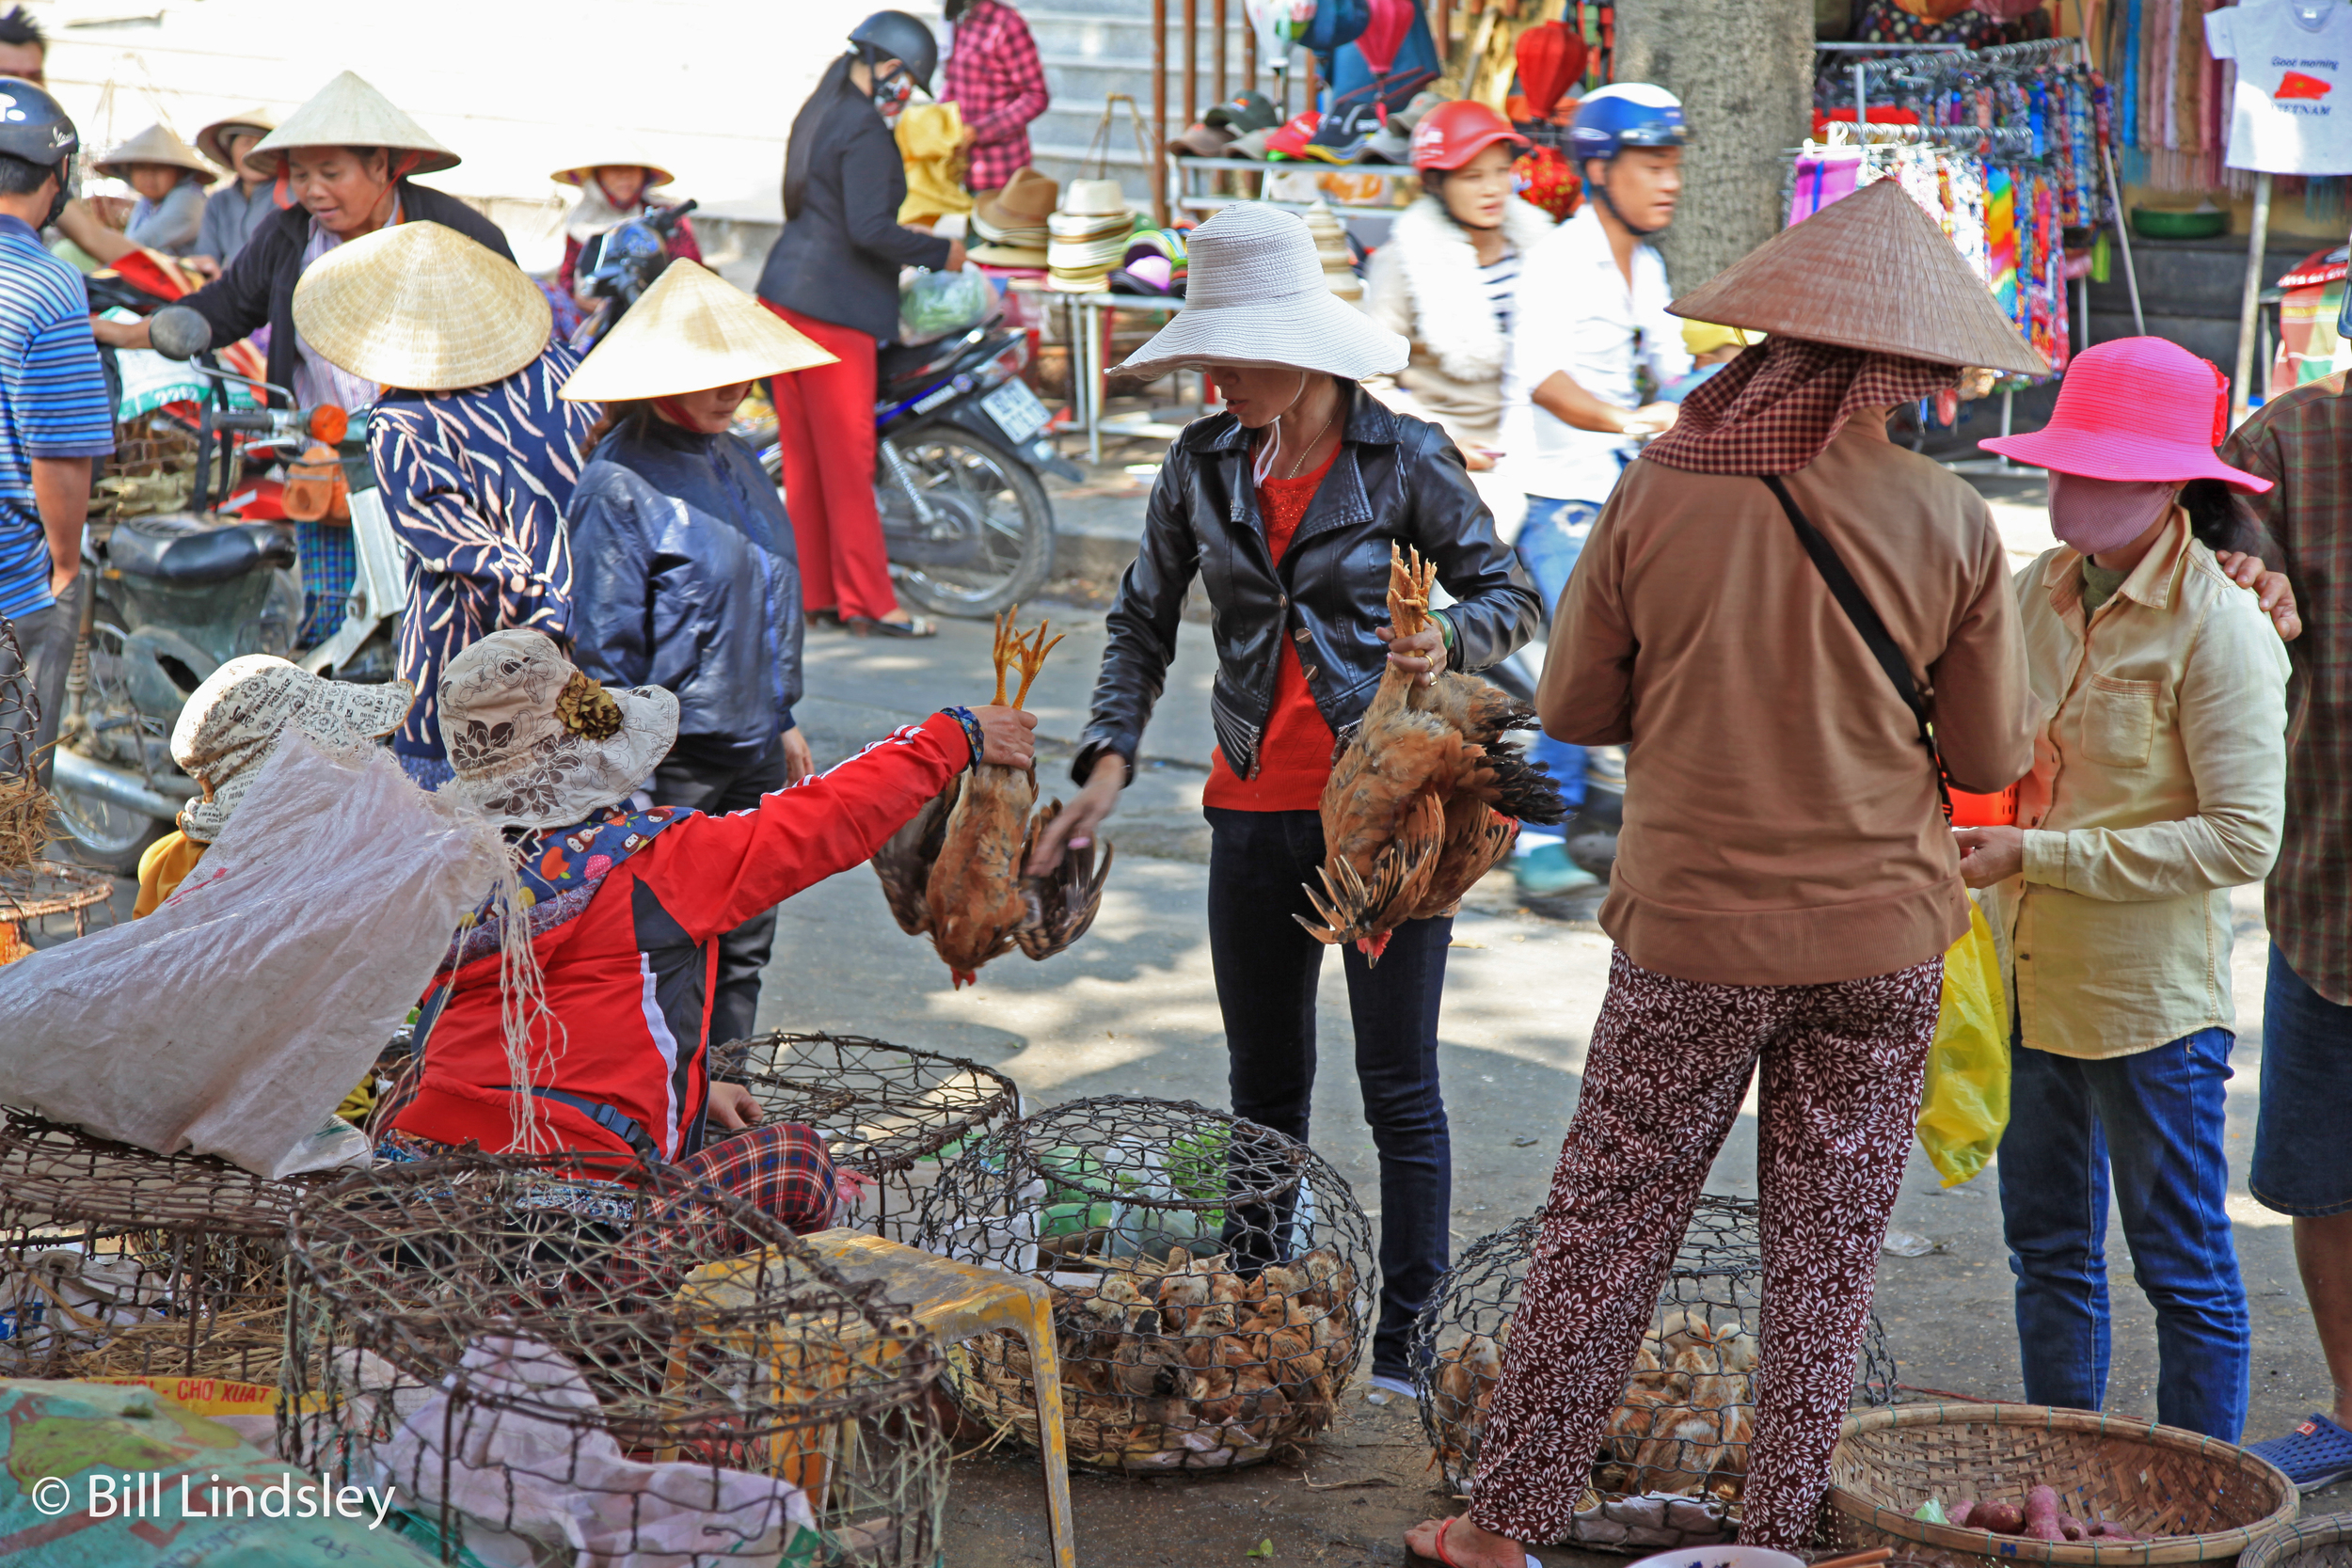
<point x="2135" y="410"/>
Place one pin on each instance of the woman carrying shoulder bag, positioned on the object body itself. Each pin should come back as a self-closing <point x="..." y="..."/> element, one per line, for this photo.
<point x="1286" y="506"/>
<point x="2158" y="784"/>
<point x="834" y="276"/>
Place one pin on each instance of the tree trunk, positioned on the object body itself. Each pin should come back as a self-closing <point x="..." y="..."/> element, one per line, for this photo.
<point x="1744" y="69"/>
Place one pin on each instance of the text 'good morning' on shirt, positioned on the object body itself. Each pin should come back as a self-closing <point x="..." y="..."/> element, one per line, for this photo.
<point x="2294" y="69"/>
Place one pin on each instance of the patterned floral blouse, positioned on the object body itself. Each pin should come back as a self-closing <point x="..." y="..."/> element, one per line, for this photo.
<point x="476" y="482"/>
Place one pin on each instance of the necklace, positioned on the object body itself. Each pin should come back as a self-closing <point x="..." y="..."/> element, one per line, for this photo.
<point x="1308" y="451"/>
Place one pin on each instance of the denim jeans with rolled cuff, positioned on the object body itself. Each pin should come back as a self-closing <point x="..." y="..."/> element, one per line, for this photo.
<point x="2152" y="1126"/>
<point x="1260" y="865"/>
<point x="1550" y="541"/>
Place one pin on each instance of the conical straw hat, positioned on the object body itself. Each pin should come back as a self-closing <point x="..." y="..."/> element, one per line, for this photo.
<point x="157" y="144"/>
<point x="618" y="151"/>
<point x="1870" y="272"/>
<point x="349" y="112"/>
<point x="213" y="141"/>
<point x="690" y="332"/>
<point x="421" y="306"/>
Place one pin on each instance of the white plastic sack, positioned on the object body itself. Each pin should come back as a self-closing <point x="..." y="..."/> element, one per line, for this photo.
<point x="233" y="1018"/>
<point x="540" y="1488"/>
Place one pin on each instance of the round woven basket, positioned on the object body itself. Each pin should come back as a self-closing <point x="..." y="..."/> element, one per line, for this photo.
<point x="2323" y="1542"/>
<point x="2198" y="1499"/>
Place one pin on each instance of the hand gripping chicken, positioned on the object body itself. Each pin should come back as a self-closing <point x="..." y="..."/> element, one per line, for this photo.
<point x="954" y="872"/>
<point x="1429" y="794"/>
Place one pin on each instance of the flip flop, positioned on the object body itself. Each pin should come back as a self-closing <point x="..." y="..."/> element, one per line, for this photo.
<point x="2315" y="1454"/>
<point x="1445" y="1524"/>
<point x="869" y="626"/>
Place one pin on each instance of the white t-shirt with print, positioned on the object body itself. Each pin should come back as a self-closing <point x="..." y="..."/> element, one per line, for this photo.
<point x="2291" y="114"/>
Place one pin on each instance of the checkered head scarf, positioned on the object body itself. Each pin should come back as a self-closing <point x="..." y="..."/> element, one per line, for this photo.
<point x="1772" y="410"/>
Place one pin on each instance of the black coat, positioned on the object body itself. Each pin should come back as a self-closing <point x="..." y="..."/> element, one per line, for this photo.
<point x="684" y="577"/>
<point x="258" y="287"/>
<point x="838" y="257"/>
<point x="1395" y="478"/>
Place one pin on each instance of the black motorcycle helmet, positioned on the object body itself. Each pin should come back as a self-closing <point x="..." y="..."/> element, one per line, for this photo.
<point x="35" y="128"/>
<point x="897" y="36"/>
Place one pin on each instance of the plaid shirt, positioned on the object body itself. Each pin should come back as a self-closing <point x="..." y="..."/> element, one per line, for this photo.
<point x="995" y="79"/>
<point x="2303" y="441"/>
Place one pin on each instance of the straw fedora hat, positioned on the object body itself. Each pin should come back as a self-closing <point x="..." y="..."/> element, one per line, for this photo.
<point x="1870" y="272"/>
<point x="1257" y="295"/>
<point x="619" y="154"/>
<point x="1024" y="202"/>
<point x="157" y="144"/>
<point x="420" y="305"/>
<point x="213" y="141"/>
<point x="690" y="332"/>
<point x="349" y="112"/>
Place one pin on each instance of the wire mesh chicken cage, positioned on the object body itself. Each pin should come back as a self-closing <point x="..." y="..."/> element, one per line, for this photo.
<point x="549" y="1359"/>
<point x="116" y="1262"/>
<point x="1211" y="1280"/>
<point x="890" y="1114"/>
<point x="1673" y="1461"/>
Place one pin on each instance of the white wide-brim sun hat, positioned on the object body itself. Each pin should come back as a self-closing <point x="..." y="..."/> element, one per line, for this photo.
<point x="1256" y="294"/>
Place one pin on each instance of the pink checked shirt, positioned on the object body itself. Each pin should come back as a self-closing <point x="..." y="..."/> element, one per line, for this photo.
<point x="994" y="78"/>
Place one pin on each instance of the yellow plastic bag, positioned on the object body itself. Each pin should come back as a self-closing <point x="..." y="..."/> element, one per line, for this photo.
<point x="1965" y="1105"/>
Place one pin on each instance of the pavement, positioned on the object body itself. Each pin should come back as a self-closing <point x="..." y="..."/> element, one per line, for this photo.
<point x="1132" y="1009"/>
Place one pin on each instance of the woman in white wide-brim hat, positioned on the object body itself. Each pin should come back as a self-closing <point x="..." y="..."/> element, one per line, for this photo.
<point x="1287" y="505"/>
<point x="687" y="573"/>
<point x="619" y="184"/>
<point x="474" y="454"/>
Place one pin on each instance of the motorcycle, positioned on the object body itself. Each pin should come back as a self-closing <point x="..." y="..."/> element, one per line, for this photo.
<point x="959" y="442"/>
<point x="617" y="267"/>
<point x="172" y="596"/>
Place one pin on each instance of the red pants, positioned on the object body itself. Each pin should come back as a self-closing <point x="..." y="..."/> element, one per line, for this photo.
<point x="1669" y="1065"/>
<point x="825" y="427"/>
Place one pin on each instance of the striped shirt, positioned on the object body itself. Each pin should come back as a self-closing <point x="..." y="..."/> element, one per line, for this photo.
<point x="52" y="401"/>
<point x="2302" y="441"/>
<point x="1501" y="283"/>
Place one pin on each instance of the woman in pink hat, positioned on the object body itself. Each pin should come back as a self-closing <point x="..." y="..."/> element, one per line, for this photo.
<point x="2158" y="784"/>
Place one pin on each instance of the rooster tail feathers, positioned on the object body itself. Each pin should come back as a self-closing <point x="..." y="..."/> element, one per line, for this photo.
<point x="1522" y="788"/>
<point x="1354" y="906"/>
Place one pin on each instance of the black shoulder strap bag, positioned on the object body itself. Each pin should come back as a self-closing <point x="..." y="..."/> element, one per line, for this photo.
<point x="1850" y="598"/>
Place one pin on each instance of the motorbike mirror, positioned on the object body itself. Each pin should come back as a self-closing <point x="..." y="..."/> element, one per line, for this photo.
<point x="329" y="424"/>
<point x="177" y="332"/>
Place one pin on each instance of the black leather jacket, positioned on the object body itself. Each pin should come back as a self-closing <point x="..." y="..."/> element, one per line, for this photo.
<point x="1395" y="478"/>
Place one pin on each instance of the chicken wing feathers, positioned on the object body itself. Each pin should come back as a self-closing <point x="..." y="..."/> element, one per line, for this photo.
<point x="904" y="862"/>
<point x="1061" y="905"/>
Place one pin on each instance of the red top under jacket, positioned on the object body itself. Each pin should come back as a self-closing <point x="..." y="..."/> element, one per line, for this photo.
<point x="1295" y="759"/>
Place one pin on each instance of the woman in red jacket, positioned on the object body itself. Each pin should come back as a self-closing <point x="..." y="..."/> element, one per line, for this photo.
<point x="622" y="910"/>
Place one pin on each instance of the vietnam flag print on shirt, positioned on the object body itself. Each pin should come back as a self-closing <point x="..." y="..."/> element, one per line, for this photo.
<point x="2285" y="116"/>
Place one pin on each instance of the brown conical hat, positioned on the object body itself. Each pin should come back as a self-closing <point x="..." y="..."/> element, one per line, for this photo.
<point x="213" y="141"/>
<point x="347" y="112"/>
<point x="1870" y="272"/>
<point x="157" y="144"/>
<point x="693" y="330"/>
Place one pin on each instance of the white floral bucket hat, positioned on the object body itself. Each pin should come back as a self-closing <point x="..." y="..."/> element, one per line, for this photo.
<point x="233" y="722"/>
<point x="536" y="744"/>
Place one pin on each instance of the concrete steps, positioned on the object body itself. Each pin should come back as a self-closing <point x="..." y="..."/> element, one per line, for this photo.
<point x="2189" y="290"/>
<point x="1106" y="48"/>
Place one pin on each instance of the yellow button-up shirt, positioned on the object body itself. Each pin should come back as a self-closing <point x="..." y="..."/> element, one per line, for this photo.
<point x="2158" y="783"/>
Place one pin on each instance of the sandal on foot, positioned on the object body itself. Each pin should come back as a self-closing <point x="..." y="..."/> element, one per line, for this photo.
<point x="1449" y="1562"/>
<point x="2315" y="1454"/>
<point x="867" y="625"/>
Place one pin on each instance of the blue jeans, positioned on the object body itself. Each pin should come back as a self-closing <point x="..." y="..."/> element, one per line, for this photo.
<point x="1550" y="539"/>
<point x="1267" y="967"/>
<point x="2155" y="1121"/>
<point x="2299" y="1165"/>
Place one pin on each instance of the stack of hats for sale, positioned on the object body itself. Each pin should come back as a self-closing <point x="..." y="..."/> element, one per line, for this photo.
<point x="1089" y="236"/>
<point x="1331" y="249"/>
<point x="1008" y="225"/>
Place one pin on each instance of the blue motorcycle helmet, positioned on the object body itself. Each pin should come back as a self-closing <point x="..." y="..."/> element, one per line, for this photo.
<point x="1616" y="116"/>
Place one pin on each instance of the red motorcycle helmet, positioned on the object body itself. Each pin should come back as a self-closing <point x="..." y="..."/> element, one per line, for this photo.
<point x="1452" y="134"/>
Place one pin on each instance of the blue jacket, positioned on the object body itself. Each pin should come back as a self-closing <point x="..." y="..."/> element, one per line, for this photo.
<point x="684" y="577"/>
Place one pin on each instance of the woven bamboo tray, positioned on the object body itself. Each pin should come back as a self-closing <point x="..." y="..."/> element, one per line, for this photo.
<point x="2321" y="1543"/>
<point x="2205" y="1500"/>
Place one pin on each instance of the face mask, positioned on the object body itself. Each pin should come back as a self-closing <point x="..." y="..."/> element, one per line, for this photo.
<point x="2095" y="515"/>
<point x="891" y="96"/>
<point x="1262" y="469"/>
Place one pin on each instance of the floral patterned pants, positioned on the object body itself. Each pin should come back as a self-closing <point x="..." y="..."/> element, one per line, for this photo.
<point x="1668" y="1068"/>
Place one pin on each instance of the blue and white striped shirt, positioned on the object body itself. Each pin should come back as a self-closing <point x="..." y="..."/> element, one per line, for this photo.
<point x="52" y="401"/>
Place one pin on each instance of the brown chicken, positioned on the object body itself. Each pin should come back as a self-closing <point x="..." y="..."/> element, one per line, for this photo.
<point x="955" y="871"/>
<point x="1428" y="796"/>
